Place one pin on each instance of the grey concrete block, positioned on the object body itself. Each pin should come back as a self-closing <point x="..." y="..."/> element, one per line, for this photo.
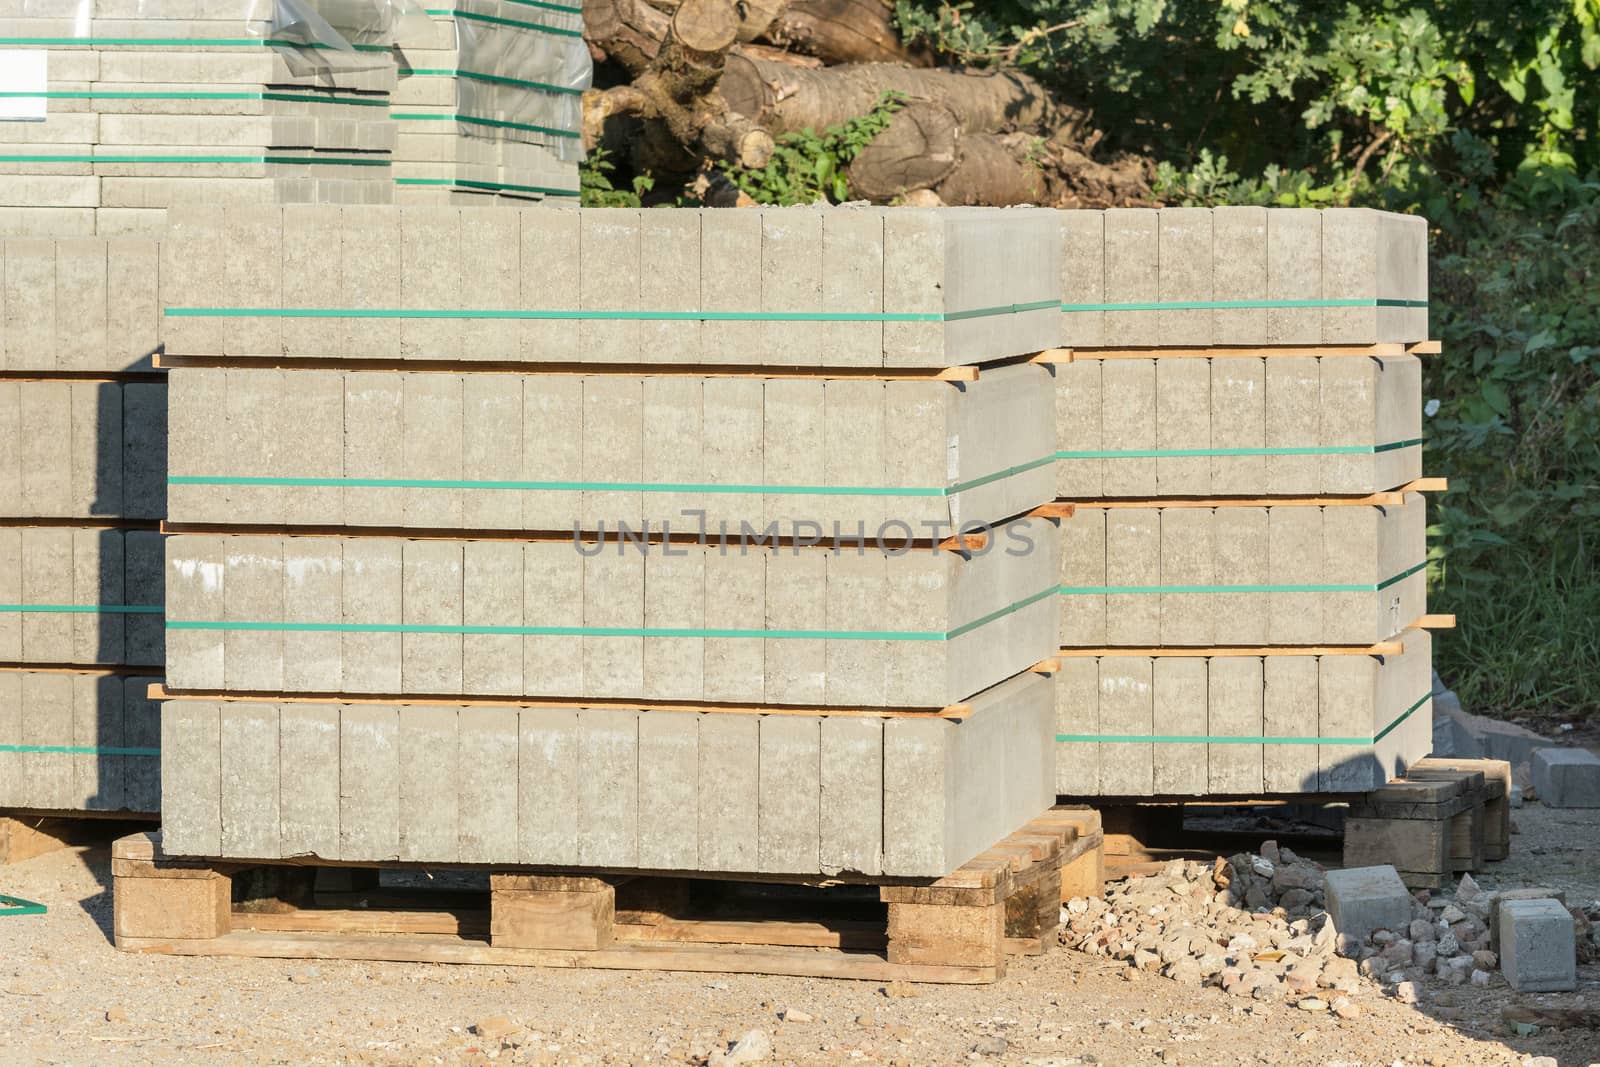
<point x="369" y="782"/>
<point x="788" y="833"/>
<point x="1289" y="709"/>
<point x="1567" y="777"/>
<point x="608" y="787"/>
<point x="1240" y="242"/>
<point x="791" y="281"/>
<point x="144" y="450"/>
<point x="1236" y="710"/>
<point x="491" y="260"/>
<point x="667" y="239"/>
<point x="1399" y="421"/>
<point x="492" y="591"/>
<point x="795" y="669"/>
<point x="194" y="593"/>
<point x="853" y="447"/>
<point x="613" y="444"/>
<point x="1351" y="556"/>
<point x="255" y="401"/>
<point x="141" y="728"/>
<point x="1128" y="424"/>
<point x="916" y="783"/>
<point x="674" y="431"/>
<point x="553" y="582"/>
<point x="144" y="634"/>
<point x="1083" y="567"/>
<point x="1538" y="945"/>
<point x="195" y="396"/>
<point x="1132" y="275"/>
<point x="1188" y="559"/>
<point x="191" y="778"/>
<point x="431" y="278"/>
<point x="433" y="779"/>
<point x="1083" y="280"/>
<point x="254" y="234"/>
<point x="487" y="779"/>
<point x="608" y="279"/>
<point x="548" y="773"/>
<point x="492" y="442"/>
<point x="732" y="446"/>
<point x="46" y="466"/>
<point x="47" y="579"/>
<point x="95" y="442"/>
<point x="1183" y="424"/>
<point x="314" y="240"/>
<point x="1079" y="410"/>
<point x="1127" y="709"/>
<point x="736" y="586"/>
<point x="914" y="264"/>
<point x="374" y="425"/>
<point x="433" y="595"/>
<point x="253" y="592"/>
<point x="1133" y="561"/>
<point x="370" y="253"/>
<point x="674" y="599"/>
<point x="1294" y="273"/>
<point x="1238" y="422"/>
<point x="313" y="587"/>
<point x="1348" y="706"/>
<point x="249" y="763"/>
<point x="47" y="721"/>
<point x="1350" y="266"/>
<point x="1294" y="537"/>
<point x="552" y="449"/>
<point x="98" y="572"/>
<point x="312" y="418"/>
<point x="730" y="264"/>
<point x="10" y="443"/>
<point x="613" y="599"/>
<point x="81" y="330"/>
<point x="795" y="436"/>
<point x="669" y="788"/>
<point x="11" y="593"/>
<point x="1180" y="703"/>
<point x="729" y="793"/>
<point x="857" y="670"/>
<point x="308" y="756"/>
<point x="550" y="279"/>
<point x="11" y="780"/>
<point x="852" y="281"/>
<point x="1364" y="899"/>
<point x="433" y="449"/>
<point x="1241" y="554"/>
<point x="1294" y="422"/>
<point x="1186" y="275"/>
<point x="372" y="591"/>
<point x="1077" y="714"/>
<point x="851" y="795"/>
<point x="98" y="778"/>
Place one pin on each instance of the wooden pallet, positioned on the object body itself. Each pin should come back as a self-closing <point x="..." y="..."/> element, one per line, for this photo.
<point x="24" y="835"/>
<point x="956" y="929"/>
<point x="1444" y="818"/>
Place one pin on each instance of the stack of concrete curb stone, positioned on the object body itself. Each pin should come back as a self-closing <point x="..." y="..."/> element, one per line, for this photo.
<point x="82" y="487"/>
<point x="147" y="103"/>
<point x="1236" y="424"/>
<point x="422" y="611"/>
<point x="489" y="102"/>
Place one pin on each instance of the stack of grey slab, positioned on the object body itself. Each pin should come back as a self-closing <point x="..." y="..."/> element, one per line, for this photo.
<point x="489" y="102"/>
<point x="500" y="572"/>
<point x="1238" y="411"/>
<point x="82" y="488"/>
<point x="118" y="109"/>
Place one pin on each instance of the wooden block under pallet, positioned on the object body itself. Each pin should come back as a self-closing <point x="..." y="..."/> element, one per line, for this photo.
<point x="24" y="839"/>
<point x="1496" y="797"/>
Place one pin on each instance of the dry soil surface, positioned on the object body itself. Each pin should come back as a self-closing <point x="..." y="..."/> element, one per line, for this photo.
<point x="68" y="997"/>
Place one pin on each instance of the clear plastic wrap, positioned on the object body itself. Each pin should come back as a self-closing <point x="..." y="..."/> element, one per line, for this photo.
<point x="521" y="69"/>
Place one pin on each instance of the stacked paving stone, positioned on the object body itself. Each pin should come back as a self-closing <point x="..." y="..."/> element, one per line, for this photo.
<point x="1237" y="415"/>
<point x="489" y="102"/>
<point x="149" y="103"/>
<point x="640" y="616"/>
<point x="82" y="485"/>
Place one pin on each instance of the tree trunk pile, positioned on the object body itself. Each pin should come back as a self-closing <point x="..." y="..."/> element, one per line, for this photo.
<point x="685" y="85"/>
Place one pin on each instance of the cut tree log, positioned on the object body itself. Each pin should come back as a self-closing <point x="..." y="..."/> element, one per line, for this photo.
<point x="997" y="171"/>
<point x="916" y="151"/>
<point x="845" y="31"/>
<point x="783" y="99"/>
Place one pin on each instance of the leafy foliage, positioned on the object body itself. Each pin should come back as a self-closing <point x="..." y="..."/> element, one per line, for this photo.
<point x="807" y="167"/>
<point x="594" y="183"/>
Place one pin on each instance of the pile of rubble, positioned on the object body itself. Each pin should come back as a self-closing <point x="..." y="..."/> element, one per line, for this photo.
<point x="1255" y="925"/>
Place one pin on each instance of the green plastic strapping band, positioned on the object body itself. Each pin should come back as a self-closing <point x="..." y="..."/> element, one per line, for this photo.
<point x="473" y="120"/>
<point x="493" y="20"/>
<point x="82" y="750"/>
<point x="1118" y="590"/>
<point x="491" y="186"/>
<point x="625" y="316"/>
<point x="492" y="79"/>
<point x="13" y="906"/>
<point x="84" y="609"/>
<point x="174" y="42"/>
<point x="1308" y="450"/>
<point x="605" y="487"/>
<point x="609" y="631"/>
<point x="566" y="9"/>
<point x="1227" y="305"/>
<point x="1199" y="739"/>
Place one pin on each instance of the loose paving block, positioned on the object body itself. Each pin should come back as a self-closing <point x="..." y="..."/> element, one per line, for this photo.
<point x="1567" y="777"/>
<point x="1364" y="899"/>
<point x="1538" y="951"/>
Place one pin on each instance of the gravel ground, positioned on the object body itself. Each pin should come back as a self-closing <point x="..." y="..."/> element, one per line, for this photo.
<point x="67" y="997"/>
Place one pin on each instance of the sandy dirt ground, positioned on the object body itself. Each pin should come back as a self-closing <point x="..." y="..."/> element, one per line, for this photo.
<point x="68" y="997"/>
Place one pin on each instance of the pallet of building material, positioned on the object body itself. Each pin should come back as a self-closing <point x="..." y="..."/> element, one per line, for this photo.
<point x="956" y="928"/>
<point x="1429" y="829"/>
<point x="1239" y="425"/>
<point x="189" y="63"/>
<point x="78" y="740"/>
<point x="842" y="286"/>
<point x="89" y="596"/>
<point x="1170" y="574"/>
<point x="78" y="304"/>
<point x="1196" y="277"/>
<point x="784" y="624"/>
<point x="1496" y="796"/>
<point x="83" y="449"/>
<point x="562" y="452"/>
<point x="752" y="790"/>
<point x="1250" y="722"/>
<point x="176" y="99"/>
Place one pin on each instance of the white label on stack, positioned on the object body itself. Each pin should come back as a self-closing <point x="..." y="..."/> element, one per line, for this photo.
<point x="23" y="72"/>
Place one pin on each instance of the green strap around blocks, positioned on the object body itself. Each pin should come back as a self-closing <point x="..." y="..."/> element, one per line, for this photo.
<point x="82" y="750"/>
<point x="154" y="43"/>
<point x="1296" y="450"/>
<point x="95" y="157"/>
<point x="492" y="187"/>
<point x="1229" y="305"/>
<point x="310" y="96"/>
<point x="628" y="316"/>
<point x="492" y="79"/>
<point x="475" y="120"/>
<point x="616" y="487"/>
<point x="83" y="609"/>
<point x="614" y="631"/>
<point x="1117" y="590"/>
<point x="1197" y="739"/>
